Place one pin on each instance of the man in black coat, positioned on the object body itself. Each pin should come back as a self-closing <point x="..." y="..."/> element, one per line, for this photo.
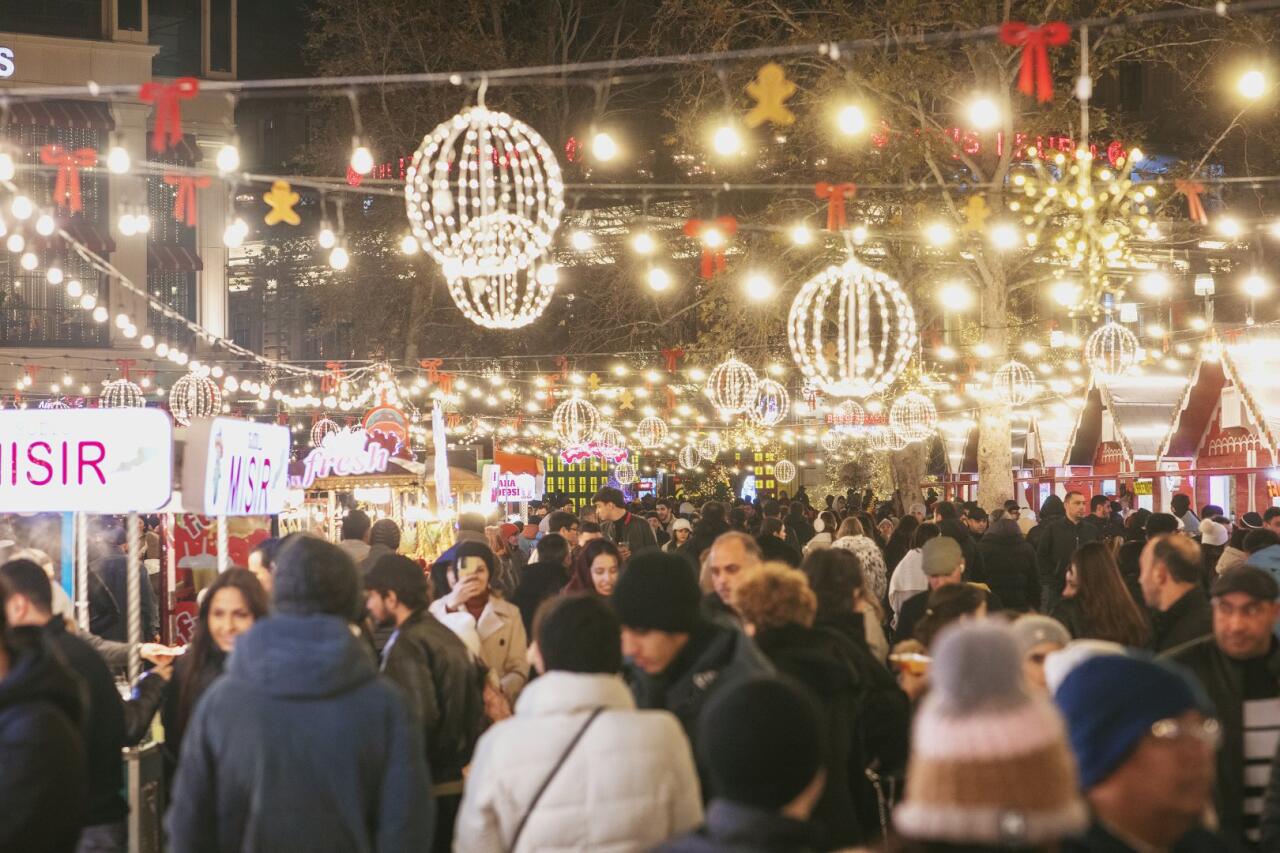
<point x="631" y="533"/>
<point x="706" y="530"/>
<point x="543" y="579"/>
<point x="111" y="724"/>
<point x="440" y="682"/>
<point x="1170" y="579"/>
<point x="1057" y="544"/>
<point x="1099" y="518"/>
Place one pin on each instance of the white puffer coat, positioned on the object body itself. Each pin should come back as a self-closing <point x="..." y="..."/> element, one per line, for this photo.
<point x="629" y="783"/>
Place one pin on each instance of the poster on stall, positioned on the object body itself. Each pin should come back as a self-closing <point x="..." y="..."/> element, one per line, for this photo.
<point x="235" y="467"/>
<point x="194" y="542"/>
<point x="506" y="487"/>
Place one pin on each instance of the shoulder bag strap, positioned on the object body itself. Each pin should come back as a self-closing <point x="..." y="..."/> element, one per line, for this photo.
<point x="546" y="783"/>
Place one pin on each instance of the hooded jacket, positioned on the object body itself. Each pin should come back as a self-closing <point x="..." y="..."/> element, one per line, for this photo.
<point x="301" y="746"/>
<point x="1010" y="566"/>
<point x="737" y="828"/>
<point x="1051" y="510"/>
<point x="42" y="758"/>
<point x="628" y="784"/>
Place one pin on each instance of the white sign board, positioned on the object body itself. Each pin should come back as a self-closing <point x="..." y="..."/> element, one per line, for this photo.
<point x="345" y="453"/>
<point x="85" y="460"/>
<point x="6" y="62"/>
<point x="505" y="487"/>
<point x="235" y="467"/>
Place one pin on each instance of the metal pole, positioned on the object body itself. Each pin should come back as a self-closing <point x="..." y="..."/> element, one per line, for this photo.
<point x="224" y="557"/>
<point x="82" y="571"/>
<point x="171" y="576"/>
<point x="134" y="579"/>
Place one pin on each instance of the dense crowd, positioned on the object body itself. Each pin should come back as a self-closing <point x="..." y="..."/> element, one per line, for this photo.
<point x="735" y="676"/>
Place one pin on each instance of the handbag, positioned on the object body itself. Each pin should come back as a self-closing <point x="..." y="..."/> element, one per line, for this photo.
<point x="546" y="783"/>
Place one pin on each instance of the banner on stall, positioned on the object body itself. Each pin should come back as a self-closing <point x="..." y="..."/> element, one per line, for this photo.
<point x="85" y="460"/>
<point x="504" y="487"/>
<point x="344" y="453"/>
<point x="235" y="467"/>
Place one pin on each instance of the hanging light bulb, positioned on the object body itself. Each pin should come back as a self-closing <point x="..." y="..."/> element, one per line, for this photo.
<point x="143" y="222"/>
<point x="235" y="233"/>
<point x="7" y="169"/>
<point x="22" y="207"/>
<point x="228" y="158"/>
<point x="118" y="161"/>
<point x="727" y="141"/>
<point x="603" y="148"/>
<point x="338" y="258"/>
<point x="100" y="314"/>
<point x="146" y="342"/>
<point x="659" y="279"/>
<point x="758" y="287"/>
<point x="327" y="239"/>
<point x="54" y="275"/>
<point x="851" y="120"/>
<point x="984" y="113"/>
<point x="127" y="225"/>
<point x="409" y="244"/>
<point x="642" y="243"/>
<point x="801" y="235"/>
<point x="582" y="241"/>
<point x="1252" y="84"/>
<point x="29" y="261"/>
<point x="74" y="289"/>
<point x="361" y="158"/>
<point x="15" y="243"/>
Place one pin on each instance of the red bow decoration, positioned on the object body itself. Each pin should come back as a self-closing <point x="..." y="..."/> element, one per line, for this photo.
<point x="184" y="206"/>
<point x="835" y="194"/>
<point x="124" y="364"/>
<point x="1035" y="75"/>
<point x="445" y="381"/>
<point x="712" y="256"/>
<point x="452" y="419"/>
<point x="672" y="355"/>
<point x="432" y="367"/>
<point x="330" y="381"/>
<point x="1195" y="208"/>
<point x="66" y="190"/>
<point x="168" y="97"/>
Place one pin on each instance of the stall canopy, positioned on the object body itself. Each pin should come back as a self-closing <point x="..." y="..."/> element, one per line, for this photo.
<point x="1194" y="414"/>
<point x="1252" y="363"/>
<point x="1133" y="411"/>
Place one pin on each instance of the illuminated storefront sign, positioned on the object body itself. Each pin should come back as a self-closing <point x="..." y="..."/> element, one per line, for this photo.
<point x="344" y="453"/>
<point x="504" y="487"/>
<point x="235" y="467"/>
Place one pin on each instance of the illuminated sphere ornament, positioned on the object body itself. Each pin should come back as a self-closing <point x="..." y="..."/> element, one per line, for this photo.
<point x="193" y="397"/>
<point x="913" y="416"/>
<point x="121" y="394"/>
<point x="321" y="429"/>
<point x="848" y="416"/>
<point x="851" y="330"/>
<point x="610" y="437"/>
<point x="1111" y="349"/>
<point x="771" y="403"/>
<point x="783" y="471"/>
<point x="484" y="193"/>
<point x="507" y="300"/>
<point x="1014" y="384"/>
<point x="652" y="432"/>
<point x="832" y="441"/>
<point x="689" y="456"/>
<point x="575" y="421"/>
<point x="625" y="473"/>
<point x="709" y="446"/>
<point x="732" y="385"/>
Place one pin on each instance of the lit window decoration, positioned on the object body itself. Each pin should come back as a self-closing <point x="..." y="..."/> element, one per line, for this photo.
<point x="913" y="417"/>
<point x="709" y="446"/>
<point x="771" y="403"/>
<point x="689" y="457"/>
<point x="652" y="432"/>
<point x="625" y="473"/>
<point x="852" y="330"/>
<point x="509" y="300"/>
<point x="194" y="397"/>
<point x="321" y="429"/>
<point x="575" y="421"/>
<point x="732" y="386"/>
<point x="1111" y="349"/>
<point x="121" y="394"/>
<point x="784" y="471"/>
<point x="1014" y="383"/>
<point x="848" y="416"/>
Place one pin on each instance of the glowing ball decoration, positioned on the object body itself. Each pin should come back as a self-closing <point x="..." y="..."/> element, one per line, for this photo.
<point x="832" y="441"/>
<point x="506" y="300"/>
<point x="625" y="473"/>
<point x="689" y="457"/>
<point x="852" y="330"/>
<point x="652" y="432"/>
<point x="913" y="416"/>
<point x="784" y="471"/>
<point x="1111" y="349"/>
<point x="709" y="446"/>
<point x="575" y="421"/>
<point x="848" y="416"/>
<point x="610" y="437"/>
<point x="322" y="429"/>
<point x="194" y="397"/>
<point x="771" y="403"/>
<point x="1014" y="384"/>
<point x="121" y="394"/>
<point x="732" y="386"/>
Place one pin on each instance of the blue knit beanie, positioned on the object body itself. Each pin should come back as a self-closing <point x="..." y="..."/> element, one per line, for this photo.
<point x="1110" y="703"/>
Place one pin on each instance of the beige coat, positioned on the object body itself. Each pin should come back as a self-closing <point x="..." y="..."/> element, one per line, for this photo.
<point x="497" y="639"/>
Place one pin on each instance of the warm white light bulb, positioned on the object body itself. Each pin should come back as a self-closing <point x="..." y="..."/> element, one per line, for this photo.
<point x="15" y="243"/>
<point x="45" y="225"/>
<point x="127" y="225"/>
<point x="228" y="158"/>
<point x="1229" y="227"/>
<point x="1005" y="236"/>
<point x="659" y="279"/>
<point x="146" y="342"/>
<point x="956" y="296"/>
<point x="851" y="120"/>
<point x="603" y="148"/>
<point x="983" y="113"/>
<point x="938" y="234"/>
<point x="643" y="243"/>
<point x="327" y="239"/>
<point x="88" y="301"/>
<point x="143" y="221"/>
<point x="361" y="160"/>
<point x="1255" y="285"/>
<point x="338" y="258"/>
<point x="758" y="287"/>
<point x="801" y="235"/>
<point x="74" y="289"/>
<point x="100" y="314"/>
<point x="7" y="169"/>
<point x="727" y="141"/>
<point x="118" y="161"/>
<point x="582" y="241"/>
<point x="29" y="261"/>
<point x="1154" y="284"/>
<point x="409" y="244"/>
<point x="22" y="207"/>
<point x="1252" y="84"/>
<point x="233" y="235"/>
<point x="53" y="275"/>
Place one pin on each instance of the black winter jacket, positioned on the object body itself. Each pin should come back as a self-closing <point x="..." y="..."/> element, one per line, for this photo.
<point x="737" y="828"/>
<point x="1058" y="543"/>
<point x="631" y="530"/>
<point x="42" y="758"/>
<point x="1009" y="564"/>
<point x="538" y="582"/>
<point x="1190" y="618"/>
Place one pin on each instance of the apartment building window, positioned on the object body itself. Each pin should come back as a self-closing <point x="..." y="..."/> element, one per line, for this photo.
<point x="80" y="19"/>
<point x="129" y="15"/>
<point x="221" y="35"/>
<point x="175" y="29"/>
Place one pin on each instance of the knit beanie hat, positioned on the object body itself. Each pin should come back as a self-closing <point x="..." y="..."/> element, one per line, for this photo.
<point x="1032" y="629"/>
<point x="759" y="740"/>
<point x="1058" y="665"/>
<point x="990" y="763"/>
<point x="1213" y="533"/>
<point x="315" y="576"/>
<point x="1111" y="701"/>
<point x="940" y="556"/>
<point x="658" y="592"/>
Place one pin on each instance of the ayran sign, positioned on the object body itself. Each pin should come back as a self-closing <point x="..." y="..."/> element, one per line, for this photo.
<point x="85" y="460"/>
<point x="504" y="487"/>
<point x="235" y="467"/>
<point x="344" y="453"/>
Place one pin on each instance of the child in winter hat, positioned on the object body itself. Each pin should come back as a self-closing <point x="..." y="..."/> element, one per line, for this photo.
<point x="990" y="763"/>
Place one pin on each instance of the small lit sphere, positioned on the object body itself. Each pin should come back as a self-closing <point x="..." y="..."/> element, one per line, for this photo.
<point x="727" y="141"/>
<point x="1067" y="293"/>
<point x="118" y="160"/>
<point x="7" y="169"/>
<point x="801" y="235"/>
<point x="22" y="207"/>
<point x="603" y="148"/>
<point x="122" y="320"/>
<point x="1255" y="285"/>
<point x="983" y="113"/>
<point x="758" y="287"/>
<point x="913" y="416"/>
<point x="162" y="349"/>
<point x="625" y="473"/>
<point x="100" y="314"/>
<point x="228" y="159"/>
<point x="1154" y="284"/>
<point x="1111" y="349"/>
<point x="143" y="222"/>
<point x="731" y="387"/>
<point x="88" y="301"/>
<point x="938" y="234"/>
<point x="784" y="471"/>
<point x="15" y="243"/>
<point x="1014" y="383"/>
<point x="339" y="259"/>
<point x="74" y="289"/>
<point x="611" y="438"/>
<point x="127" y="224"/>
<point x="658" y="279"/>
<point x="713" y="238"/>
<point x="361" y="160"/>
<point x="582" y="241"/>
<point x="146" y="342"/>
<point x="121" y="394"/>
<point x="1229" y="227"/>
<point x="832" y="441"/>
<point x="851" y="120"/>
<point x="642" y="243"/>
<point x="321" y="429"/>
<point x="326" y="238"/>
<point x="709" y="446"/>
<point x="1252" y="84"/>
<point x="575" y="421"/>
<point x="1005" y="236"/>
<point x="860" y="234"/>
<point x="956" y="296"/>
<point x="848" y="416"/>
<point x="233" y="235"/>
<point x="409" y="245"/>
<point x="45" y="225"/>
<point x="194" y="397"/>
<point x="689" y="457"/>
<point x="29" y="261"/>
<point x="651" y="432"/>
<point x="771" y="403"/>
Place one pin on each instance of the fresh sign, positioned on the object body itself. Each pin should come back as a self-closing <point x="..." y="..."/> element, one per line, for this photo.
<point x="235" y="467"/>
<point x="344" y="453"/>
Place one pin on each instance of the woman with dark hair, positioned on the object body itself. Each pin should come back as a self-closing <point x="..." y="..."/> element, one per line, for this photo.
<point x="948" y="604"/>
<point x="595" y="570"/>
<point x="900" y="542"/>
<point x="870" y="529"/>
<point x="825" y="531"/>
<point x="1095" y="604"/>
<point x="231" y="605"/>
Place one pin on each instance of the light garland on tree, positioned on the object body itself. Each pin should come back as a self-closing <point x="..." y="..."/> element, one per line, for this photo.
<point x="1014" y="383"/>
<point x="193" y="397"/>
<point x="771" y="403"/>
<point x="913" y="417"/>
<point x="121" y="394"/>
<point x="852" y="330"/>
<point x="652" y="432"/>
<point x="575" y="421"/>
<point x="732" y="385"/>
<point x="784" y="471"/>
<point x="1111" y="350"/>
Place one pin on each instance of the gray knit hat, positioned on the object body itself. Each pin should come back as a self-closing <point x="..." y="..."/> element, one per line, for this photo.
<point x="315" y="576"/>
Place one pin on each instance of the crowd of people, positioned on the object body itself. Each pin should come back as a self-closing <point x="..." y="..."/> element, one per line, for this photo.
<point x="734" y="676"/>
